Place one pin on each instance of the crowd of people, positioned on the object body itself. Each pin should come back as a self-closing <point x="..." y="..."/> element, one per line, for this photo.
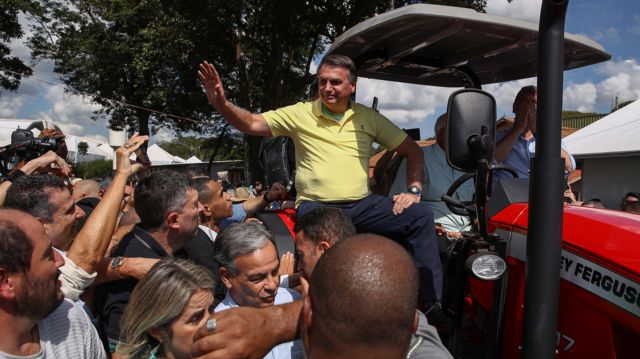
<point x="163" y="264"/>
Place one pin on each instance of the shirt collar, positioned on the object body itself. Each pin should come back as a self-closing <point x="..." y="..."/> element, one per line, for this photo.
<point x="316" y="109"/>
<point x="148" y="241"/>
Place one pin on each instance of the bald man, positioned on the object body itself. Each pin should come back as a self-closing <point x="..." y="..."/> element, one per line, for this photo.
<point x="373" y="313"/>
<point x="86" y="188"/>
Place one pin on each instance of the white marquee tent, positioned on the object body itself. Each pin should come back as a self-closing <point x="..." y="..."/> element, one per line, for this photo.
<point x="615" y="134"/>
<point x="608" y="151"/>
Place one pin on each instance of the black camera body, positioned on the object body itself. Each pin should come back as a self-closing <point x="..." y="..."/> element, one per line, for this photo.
<point x="25" y="146"/>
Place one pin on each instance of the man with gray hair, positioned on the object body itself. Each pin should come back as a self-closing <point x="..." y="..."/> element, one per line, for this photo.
<point x="248" y="262"/>
<point x="438" y="177"/>
<point x="167" y="203"/>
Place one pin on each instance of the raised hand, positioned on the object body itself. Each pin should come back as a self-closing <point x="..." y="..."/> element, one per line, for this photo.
<point x="212" y="85"/>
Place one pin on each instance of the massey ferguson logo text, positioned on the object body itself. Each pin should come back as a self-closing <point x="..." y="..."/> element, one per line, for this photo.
<point x="602" y="282"/>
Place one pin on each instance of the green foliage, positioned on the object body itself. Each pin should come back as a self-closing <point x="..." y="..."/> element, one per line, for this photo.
<point x="93" y="169"/>
<point x="83" y="147"/>
<point x="622" y="104"/>
<point x="230" y="149"/>
<point x="146" y="54"/>
<point x="569" y="114"/>
<point x="13" y="69"/>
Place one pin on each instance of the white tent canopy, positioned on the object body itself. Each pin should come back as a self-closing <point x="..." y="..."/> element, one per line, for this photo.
<point x="615" y="134"/>
<point x="193" y="159"/>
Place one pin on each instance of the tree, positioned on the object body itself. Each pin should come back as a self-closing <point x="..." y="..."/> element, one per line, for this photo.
<point x="12" y="69"/>
<point x="83" y="148"/>
<point x="144" y="55"/>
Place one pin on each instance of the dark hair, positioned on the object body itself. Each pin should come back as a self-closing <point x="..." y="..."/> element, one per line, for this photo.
<point x="527" y="90"/>
<point x="202" y="186"/>
<point x="15" y="248"/>
<point x="31" y="194"/>
<point x="341" y="61"/>
<point x="594" y="203"/>
<point x="158" y="194"/>
<point x="327" y="224"/>
<point x="632" y="207"/>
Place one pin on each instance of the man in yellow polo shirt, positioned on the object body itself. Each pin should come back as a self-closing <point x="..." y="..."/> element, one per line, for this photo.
<point x="333" y="137"/>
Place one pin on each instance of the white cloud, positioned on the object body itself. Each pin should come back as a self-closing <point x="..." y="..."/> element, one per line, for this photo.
<point x="402" y="103"/>
<point x="10" y="105"/>
<point x="623" y="81"/>
<point x="580" y="97"/>
<point x="72" y="113"/>
<point x="526" y="10"/>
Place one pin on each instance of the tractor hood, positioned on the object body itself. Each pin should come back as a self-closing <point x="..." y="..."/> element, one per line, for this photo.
<point x="436" y="45"/>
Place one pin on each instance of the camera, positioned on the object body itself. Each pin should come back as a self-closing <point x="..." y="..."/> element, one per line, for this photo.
<point x="25" y="146"/>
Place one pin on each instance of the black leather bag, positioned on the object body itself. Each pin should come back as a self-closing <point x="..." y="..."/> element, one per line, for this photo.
<point x="278" y="160"/>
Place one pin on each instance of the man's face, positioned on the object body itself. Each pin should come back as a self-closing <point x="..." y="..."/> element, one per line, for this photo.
<point x="335" y="88"/>
<point x="219" y="206"/>
<point x="257" y="282"/>
<point x="182" y="329"/>
<point x="307" y="254"/>
<point x="189" y="214"/>
<point x="526" y="106"/>
<point x="38" y="291"/>
<point x="62" y="229"/>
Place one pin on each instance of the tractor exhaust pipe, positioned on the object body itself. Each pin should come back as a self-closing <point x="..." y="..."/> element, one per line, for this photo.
<point x="546" y="192"/>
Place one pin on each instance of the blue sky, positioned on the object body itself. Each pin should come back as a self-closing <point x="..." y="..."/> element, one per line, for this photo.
<point x="615" y="24"/>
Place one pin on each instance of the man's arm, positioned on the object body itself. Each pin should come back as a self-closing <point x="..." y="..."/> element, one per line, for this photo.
<point x="90" y="245"/>
<point x="241" y="119"/>
<point x="257" y="204"/>
<point x="246" y="332"/>
<point x="569" y="162"/>
<point x="505" y="145"/>
<point x="415" y="163"/>
<point x="39" y="164"/>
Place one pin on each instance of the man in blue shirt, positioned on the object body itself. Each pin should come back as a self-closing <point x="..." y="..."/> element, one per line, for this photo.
<point x="516" y="146"/>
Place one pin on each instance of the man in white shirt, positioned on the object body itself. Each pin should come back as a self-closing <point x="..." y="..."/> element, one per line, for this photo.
<point x="248" y="262"/>
<point x="35" y="319"/>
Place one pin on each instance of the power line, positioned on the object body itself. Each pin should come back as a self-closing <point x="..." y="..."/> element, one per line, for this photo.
<point x="84" y="93"/>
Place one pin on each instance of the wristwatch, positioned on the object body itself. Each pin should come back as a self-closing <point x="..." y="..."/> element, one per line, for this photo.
<point x="265" y="198"/>
<point x="415" y="190"/>
<point x="116" y="263"/>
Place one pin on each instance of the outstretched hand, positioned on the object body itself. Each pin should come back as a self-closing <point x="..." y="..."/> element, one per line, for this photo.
<point x="123" y="163"/>
<point x="212" y="85"/>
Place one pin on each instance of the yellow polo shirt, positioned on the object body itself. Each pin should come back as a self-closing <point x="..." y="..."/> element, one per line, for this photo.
<point x="332" y="157"/>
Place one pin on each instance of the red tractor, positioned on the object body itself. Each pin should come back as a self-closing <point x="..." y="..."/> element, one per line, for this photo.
<point x="535" y="278"/>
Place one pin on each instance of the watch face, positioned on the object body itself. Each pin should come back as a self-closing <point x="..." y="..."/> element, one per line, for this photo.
<point x="414" y="190"/>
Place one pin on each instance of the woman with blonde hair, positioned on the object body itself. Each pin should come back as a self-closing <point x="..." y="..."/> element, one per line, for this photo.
<point x="165" y="310"/>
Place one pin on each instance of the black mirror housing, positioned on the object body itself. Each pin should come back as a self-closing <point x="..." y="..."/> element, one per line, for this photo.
<point x="471" y="129"/>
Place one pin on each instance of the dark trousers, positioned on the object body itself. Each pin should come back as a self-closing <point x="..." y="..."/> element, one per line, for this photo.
<point x="413" y="228"/>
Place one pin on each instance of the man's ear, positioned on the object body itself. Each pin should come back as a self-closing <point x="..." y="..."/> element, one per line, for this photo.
<point x="225" y="275"/>
<point x="323" y="246"/>
<point x="7" y="288"/>
<point x="172" y="220"/>
<point x="206" y="211"/>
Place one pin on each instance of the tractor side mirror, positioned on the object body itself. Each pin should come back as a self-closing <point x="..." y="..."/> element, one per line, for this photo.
<point x="471" y="129"/>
